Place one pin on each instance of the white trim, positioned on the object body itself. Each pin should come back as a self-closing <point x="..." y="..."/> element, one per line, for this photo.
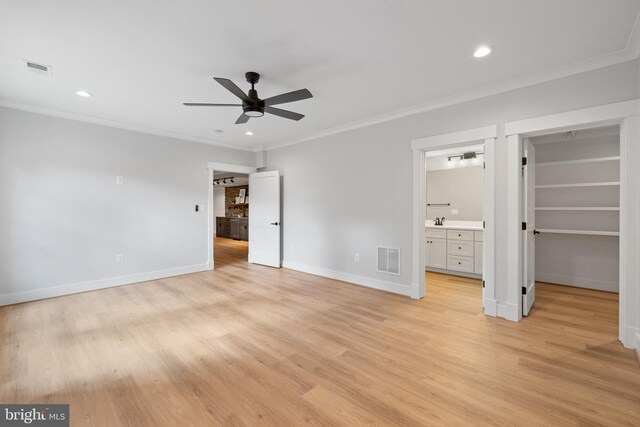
<point x="514" y="234"/>
<point x="518" y="83"/>
<point x="455" y="138"/>
<point x="418" y="221"/>
<point x="117" y="125"/>
<point x="625" y="114"/>
<point x="211" y="224"/>
<point x="585" y="118"/>
<point x="583" y="282"/>
<point x="487" y="136"/>
<point x="489" y="231"/>
<point x="229" y="167"/>
<point x="633" y="44"/>
<point x="382" y="285"/>
<point x="74" y="288"/>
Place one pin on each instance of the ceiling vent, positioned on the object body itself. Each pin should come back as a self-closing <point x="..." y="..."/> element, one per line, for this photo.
<point x="388" y="260"/>
<point x="42" y="69"/>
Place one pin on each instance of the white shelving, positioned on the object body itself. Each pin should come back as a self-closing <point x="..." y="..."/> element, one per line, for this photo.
<point x="578" y="208"/>
<point x="585" y="232"/>
<point x="578" y="161"/>
<point x="582" y="184"/>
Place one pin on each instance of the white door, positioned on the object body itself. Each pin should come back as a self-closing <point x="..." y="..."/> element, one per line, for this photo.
<point x="264" y="218"/>
<point x="529" y="253"/>
<point x="427" y="254"/>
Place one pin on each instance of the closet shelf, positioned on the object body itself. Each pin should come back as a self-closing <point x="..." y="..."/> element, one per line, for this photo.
<point x="584" y="232"/>
<point x="577" y="161"/>
<point x="578" y="208"/>
<point x="581" y="184"/>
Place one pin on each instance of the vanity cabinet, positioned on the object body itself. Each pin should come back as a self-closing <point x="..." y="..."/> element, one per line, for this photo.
<point x="456" y="250"/>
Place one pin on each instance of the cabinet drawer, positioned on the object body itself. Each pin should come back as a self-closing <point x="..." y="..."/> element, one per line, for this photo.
<point x="460" y="235"/>
<point x="436" y="234"/>
<point x="460" y="263"/>
<point x="478" y="236"/>
<point x="459" y="247"/>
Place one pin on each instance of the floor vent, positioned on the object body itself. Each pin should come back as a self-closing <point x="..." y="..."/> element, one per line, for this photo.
<point x="388" y="260"/>
<point x="38" y="68"/>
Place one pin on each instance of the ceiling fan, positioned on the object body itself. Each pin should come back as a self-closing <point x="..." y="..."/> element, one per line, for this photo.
<point x="252" y="106"/>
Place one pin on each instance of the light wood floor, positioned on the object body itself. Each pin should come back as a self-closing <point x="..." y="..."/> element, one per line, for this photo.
<point x="251" y="345"/>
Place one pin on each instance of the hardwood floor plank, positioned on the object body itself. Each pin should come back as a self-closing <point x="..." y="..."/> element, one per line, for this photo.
<point x="250" y="345"/>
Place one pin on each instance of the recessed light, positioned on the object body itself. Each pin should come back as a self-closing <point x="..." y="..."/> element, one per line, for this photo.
<point x="482" y="51"/>
<point x="248" y="133"/>
<point x="84" y="93"/>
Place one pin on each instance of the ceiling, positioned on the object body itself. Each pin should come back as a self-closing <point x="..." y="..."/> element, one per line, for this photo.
<point x="360" y="59"/>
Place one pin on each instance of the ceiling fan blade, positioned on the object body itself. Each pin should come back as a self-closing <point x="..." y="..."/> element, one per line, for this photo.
<point x="283" y="113"/>
<point x="231" y="87"/>
<point x="296" y="95"/>
<point x="199" y="104"/>
<point x="242" y="119"/>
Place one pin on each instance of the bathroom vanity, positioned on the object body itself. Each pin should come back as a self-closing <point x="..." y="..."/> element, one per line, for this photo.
<point x="454" y="248"/>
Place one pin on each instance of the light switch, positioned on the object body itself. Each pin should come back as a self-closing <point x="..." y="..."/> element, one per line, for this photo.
<point x="119" y="180"/>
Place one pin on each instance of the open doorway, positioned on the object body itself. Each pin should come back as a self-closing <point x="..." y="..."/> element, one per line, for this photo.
<point x="454" y="182"/>
<point x="231" y="196"/>
<point x="571" y="191"/>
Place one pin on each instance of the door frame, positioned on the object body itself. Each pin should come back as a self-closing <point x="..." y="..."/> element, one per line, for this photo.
<point x="487" y="136"/>
<point x="627" y="115"/>
<point x="211" y="223"/>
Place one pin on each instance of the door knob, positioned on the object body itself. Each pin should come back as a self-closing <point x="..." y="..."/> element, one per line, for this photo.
<point x="274" y="223"/>
<point x="535" y="232"/>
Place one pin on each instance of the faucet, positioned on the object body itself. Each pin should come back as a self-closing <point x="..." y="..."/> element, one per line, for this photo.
<point x="438" y="221"/>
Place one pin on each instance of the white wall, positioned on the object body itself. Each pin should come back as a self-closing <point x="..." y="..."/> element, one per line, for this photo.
<point x="462" y="187"/>
<point x="218" y="202"/>
<point x="63" y="218"/>
<point x="352" y="191"/>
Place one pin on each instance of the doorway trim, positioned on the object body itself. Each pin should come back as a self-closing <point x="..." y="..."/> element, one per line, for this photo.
<point x="627" y="115"/>
<point x="211" y="224"/>
<point x="486" y="135"/>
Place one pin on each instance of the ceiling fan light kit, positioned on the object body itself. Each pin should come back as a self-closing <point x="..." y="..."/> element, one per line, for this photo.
<point x="252" y="105"/>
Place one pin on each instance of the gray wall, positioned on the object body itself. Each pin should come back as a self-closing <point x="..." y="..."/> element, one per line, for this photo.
<point x="63" y="218"/>
<point x="462" y="187"/>
<point x="352" y="191"/>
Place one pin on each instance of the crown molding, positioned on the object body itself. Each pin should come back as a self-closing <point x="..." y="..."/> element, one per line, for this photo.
<point x="633" y="44"/>
<point x="629" y="53"/>
<point x="118" y="125"/>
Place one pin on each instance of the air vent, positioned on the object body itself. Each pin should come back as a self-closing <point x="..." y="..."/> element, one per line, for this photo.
<point x="38" y="68"/>
<point x="388" y="260"/>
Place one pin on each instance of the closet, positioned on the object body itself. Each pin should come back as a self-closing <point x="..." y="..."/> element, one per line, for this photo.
<point x="577" y="208"/>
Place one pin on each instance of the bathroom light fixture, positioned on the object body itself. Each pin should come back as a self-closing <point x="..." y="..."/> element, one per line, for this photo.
<point x="84" y="93"/>
<point x="482" y="51"/>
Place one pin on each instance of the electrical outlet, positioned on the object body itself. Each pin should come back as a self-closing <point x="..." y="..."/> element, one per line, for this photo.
<point x="119" y="180"/>
<point x="454" y="211"/>
<point x="119" y="258"/>
<point x="356" y="256"/>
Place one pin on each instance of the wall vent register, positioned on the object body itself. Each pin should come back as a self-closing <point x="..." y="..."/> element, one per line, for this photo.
<point x="388" y="260"/>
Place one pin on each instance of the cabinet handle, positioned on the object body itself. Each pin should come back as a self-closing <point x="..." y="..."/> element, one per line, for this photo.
<point x="459" y="247"/>
<point x="459" y="263"/>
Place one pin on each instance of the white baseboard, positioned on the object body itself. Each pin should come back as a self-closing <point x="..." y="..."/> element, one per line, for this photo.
<point x="490" y="307"/>
<point x="396" y="288"/>
<point x="638" y="346"/>
<point x="74" y="288"/>
<point x="511" y="312"/>
<point x="454" y="272"/>
<point x="598" y="285"/>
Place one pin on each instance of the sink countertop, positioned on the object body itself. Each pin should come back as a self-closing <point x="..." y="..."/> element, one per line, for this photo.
<point x="456" y="225"/>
